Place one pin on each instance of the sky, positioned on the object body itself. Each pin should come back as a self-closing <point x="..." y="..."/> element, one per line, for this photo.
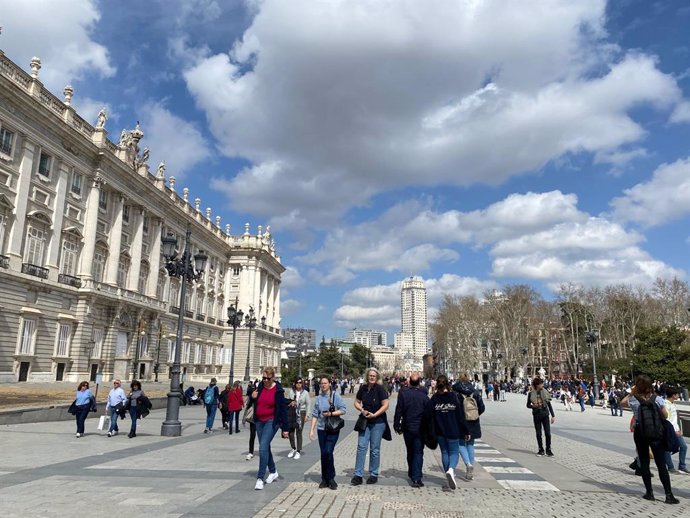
<point x="471" y="143"/>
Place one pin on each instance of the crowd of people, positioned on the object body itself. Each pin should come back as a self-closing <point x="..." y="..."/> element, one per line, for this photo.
<point x="429" y="413"/>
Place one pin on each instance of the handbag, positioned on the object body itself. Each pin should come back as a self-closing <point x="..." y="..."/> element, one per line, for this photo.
<point x="248" y="414"/>
<point x="103" y="422"/>
<point x="361" y="424"/>
<point x="333" y="423"/>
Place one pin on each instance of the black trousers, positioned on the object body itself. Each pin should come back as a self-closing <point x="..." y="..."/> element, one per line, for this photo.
<point x="658" y="448"/>
<point x="252" y="437"/>
<point x="542" y="420"/>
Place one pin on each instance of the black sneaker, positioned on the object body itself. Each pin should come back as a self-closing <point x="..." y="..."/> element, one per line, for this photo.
<point x="648" y="496"/>
<point x="356" y="481"/>
<point x="419" y="483"/>
<point x="333" y="484"/>
<point x="549" y="453"/>
<point x="633" y="465"/>
<point x="323" y="484"/>
<point x="372" y="480"/>
<point x="540" y="453"/>
<point x="670" y="499"/>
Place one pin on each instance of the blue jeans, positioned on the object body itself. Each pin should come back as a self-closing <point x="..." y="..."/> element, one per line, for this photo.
<point x="450" y="449"/>
<point x="265" y="433"/>
<point x="133" y="417"/>
<point x="82" y="414"/>
<point x="369" y="438"/>
<point x="327" y="445"/>
<point x="415" y="455"/>
<point x="467" y="452"/>
<point x="113" y="420"/>
<point x="682" y="452"/>
<point x="234" y="415"/>
<point x="210" y="415"/>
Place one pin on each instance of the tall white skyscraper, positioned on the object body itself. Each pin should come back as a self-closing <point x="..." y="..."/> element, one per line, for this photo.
<point x="414" y="318"/>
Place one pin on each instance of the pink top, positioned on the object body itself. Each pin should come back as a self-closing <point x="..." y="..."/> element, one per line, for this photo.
<point x="266" y="404"/>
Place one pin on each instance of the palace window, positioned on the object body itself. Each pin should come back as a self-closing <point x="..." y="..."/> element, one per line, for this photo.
<point x="63" y="340"/>
<point x="27" y="338"/>
<point x="99" y="258"/>
<point x="123" y="271"/>
<point x="70" y="255"/>
<point x="45" y="162"/>
<point x="35" y="244"/>
<point x="6" y="141"/>
<point x="76" y="183"/>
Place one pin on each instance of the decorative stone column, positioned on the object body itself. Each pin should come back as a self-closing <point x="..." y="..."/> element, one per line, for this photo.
<point x="155" y="226"/>
<point x="90" y="226"/>
<point x="115" y="240"/>
<point x="135" y="249"/>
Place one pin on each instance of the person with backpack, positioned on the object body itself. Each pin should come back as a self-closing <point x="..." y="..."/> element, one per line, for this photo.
<point x="648" y="433"/>
<point x="539" y="400"/>
<point x="472" y="408"/>
<point x="211" y="395"/>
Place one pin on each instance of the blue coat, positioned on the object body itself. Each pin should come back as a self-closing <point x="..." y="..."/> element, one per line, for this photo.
<point x="467" y="389"/>
<point x="280" y="417"/>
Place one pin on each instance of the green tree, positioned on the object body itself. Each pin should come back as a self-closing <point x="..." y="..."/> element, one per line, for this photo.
<point x="663" y="353"/>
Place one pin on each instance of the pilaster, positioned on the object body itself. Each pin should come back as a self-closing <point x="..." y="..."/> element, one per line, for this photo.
<point x="156" y="225"/>
<point x="21" y="202"/>
<point x="58" y="214"/>
<point x="90" y="226"/>
<point x="135" y="249"/>
<point x="115" y="240"/>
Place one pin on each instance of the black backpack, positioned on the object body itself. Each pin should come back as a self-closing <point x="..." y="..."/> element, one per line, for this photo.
<point x="649" y="419"/>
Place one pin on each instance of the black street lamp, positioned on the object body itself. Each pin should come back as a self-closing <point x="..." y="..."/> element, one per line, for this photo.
<point x="234" y="320"/>
<point x="187" y="271"/>
<point x="250" y="322"/>
<point x="591" y="338"/>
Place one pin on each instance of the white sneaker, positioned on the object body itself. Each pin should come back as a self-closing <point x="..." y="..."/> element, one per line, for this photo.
<point x="291" y="454"/>
<point x="77" y="435"/>
<point x="114" y="433"/>
<point x="450" y="476"/>
<point x="297" y="455"/>
<point x="259" y="484"/>
<point x="110" y="434"/>
<point x="249" y="456"/>
<point x="271" y="477"/>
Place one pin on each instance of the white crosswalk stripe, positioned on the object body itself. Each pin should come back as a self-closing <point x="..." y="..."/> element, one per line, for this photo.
<point x="513" y="477"/>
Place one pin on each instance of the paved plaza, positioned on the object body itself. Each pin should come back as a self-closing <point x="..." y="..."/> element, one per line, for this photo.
<point x="46" y="471"/>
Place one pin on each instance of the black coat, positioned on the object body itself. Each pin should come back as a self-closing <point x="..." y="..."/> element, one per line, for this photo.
<point x="465" y="388"/>
<point x="409" y="411"/>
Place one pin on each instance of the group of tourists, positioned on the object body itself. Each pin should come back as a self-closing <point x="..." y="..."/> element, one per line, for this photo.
<point x="118" y="405"/>
<point x="449" y="419"/>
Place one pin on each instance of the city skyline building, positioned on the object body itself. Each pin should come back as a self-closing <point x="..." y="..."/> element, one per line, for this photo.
<point x="301" y="337"/>
<point x="368" y="337"/>
<point x="414" y="336"/>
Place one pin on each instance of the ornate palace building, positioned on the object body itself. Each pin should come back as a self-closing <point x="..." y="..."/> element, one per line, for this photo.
<point x="83" y="284"/>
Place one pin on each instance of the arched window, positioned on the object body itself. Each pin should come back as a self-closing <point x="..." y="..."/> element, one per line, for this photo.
<point x="143" y="276"/>
<point x="71" y="247"/>
<point x="123" y="271"/>
<point x="100" y="256"/>
<point x="160" y="287"/>
<point x="35" y="245"/>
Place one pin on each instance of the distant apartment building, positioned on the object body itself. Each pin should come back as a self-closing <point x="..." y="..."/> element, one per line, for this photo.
<point x="301" y="337"/>
<point x="368" y="337"/>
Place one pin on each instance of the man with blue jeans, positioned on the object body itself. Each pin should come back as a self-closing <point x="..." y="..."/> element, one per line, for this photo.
<point x="116" y="401"/>
<point x="372" y="402"/>
<point x="211" y="395"/>
<point x="670" y="404"/>
<point x="412" y="403"/>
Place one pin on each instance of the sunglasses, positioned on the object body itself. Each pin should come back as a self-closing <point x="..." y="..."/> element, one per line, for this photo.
<point x="266" y="378"/>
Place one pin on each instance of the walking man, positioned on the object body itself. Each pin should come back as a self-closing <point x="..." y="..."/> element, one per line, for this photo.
<point x="412" y="403"/>
<point x="539" y="400"/>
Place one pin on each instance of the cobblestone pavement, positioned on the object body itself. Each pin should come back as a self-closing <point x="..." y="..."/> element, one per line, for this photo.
<point x="46" y="471"/>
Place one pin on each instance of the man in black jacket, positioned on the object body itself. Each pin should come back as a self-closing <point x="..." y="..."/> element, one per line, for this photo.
<point x="412" y="403"/>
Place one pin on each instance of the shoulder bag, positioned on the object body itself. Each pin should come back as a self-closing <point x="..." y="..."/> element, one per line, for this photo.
<point x="333" y="423"/>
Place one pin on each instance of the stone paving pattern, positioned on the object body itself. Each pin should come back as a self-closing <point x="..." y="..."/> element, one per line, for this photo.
<point x="46" y="471"/>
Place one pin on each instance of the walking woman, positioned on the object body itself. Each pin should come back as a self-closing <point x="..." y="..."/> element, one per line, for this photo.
<point x="328" y="403"/>
<point x="372" y="402"/>
<point x="116" y="402"/>
<point x="270" y="414"/>
<point x="451" y="427"/>
<point x="223" y="406"/>
<point x="299" y="404"/>
<point x="647" y="407"/>
<point x="235" y="404"/>
<point x="83" y="406"/>
<point x="471" y="411"/>
<point x="133" y="401"/>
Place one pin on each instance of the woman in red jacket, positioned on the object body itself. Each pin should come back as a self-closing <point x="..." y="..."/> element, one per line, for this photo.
<point x="235" y="405"/>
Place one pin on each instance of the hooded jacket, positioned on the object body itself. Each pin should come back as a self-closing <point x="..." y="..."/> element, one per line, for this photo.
<point x="466" y="389"/>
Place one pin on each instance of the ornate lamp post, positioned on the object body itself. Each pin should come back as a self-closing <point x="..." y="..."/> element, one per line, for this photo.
<point x="234" y="320"/>
<point x="250" y="322"/>
<point x="592" y="337"/>
<point x="187" y="271"/>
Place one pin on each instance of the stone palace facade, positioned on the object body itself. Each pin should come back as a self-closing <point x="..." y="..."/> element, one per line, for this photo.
<point x="83" y="285"/>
